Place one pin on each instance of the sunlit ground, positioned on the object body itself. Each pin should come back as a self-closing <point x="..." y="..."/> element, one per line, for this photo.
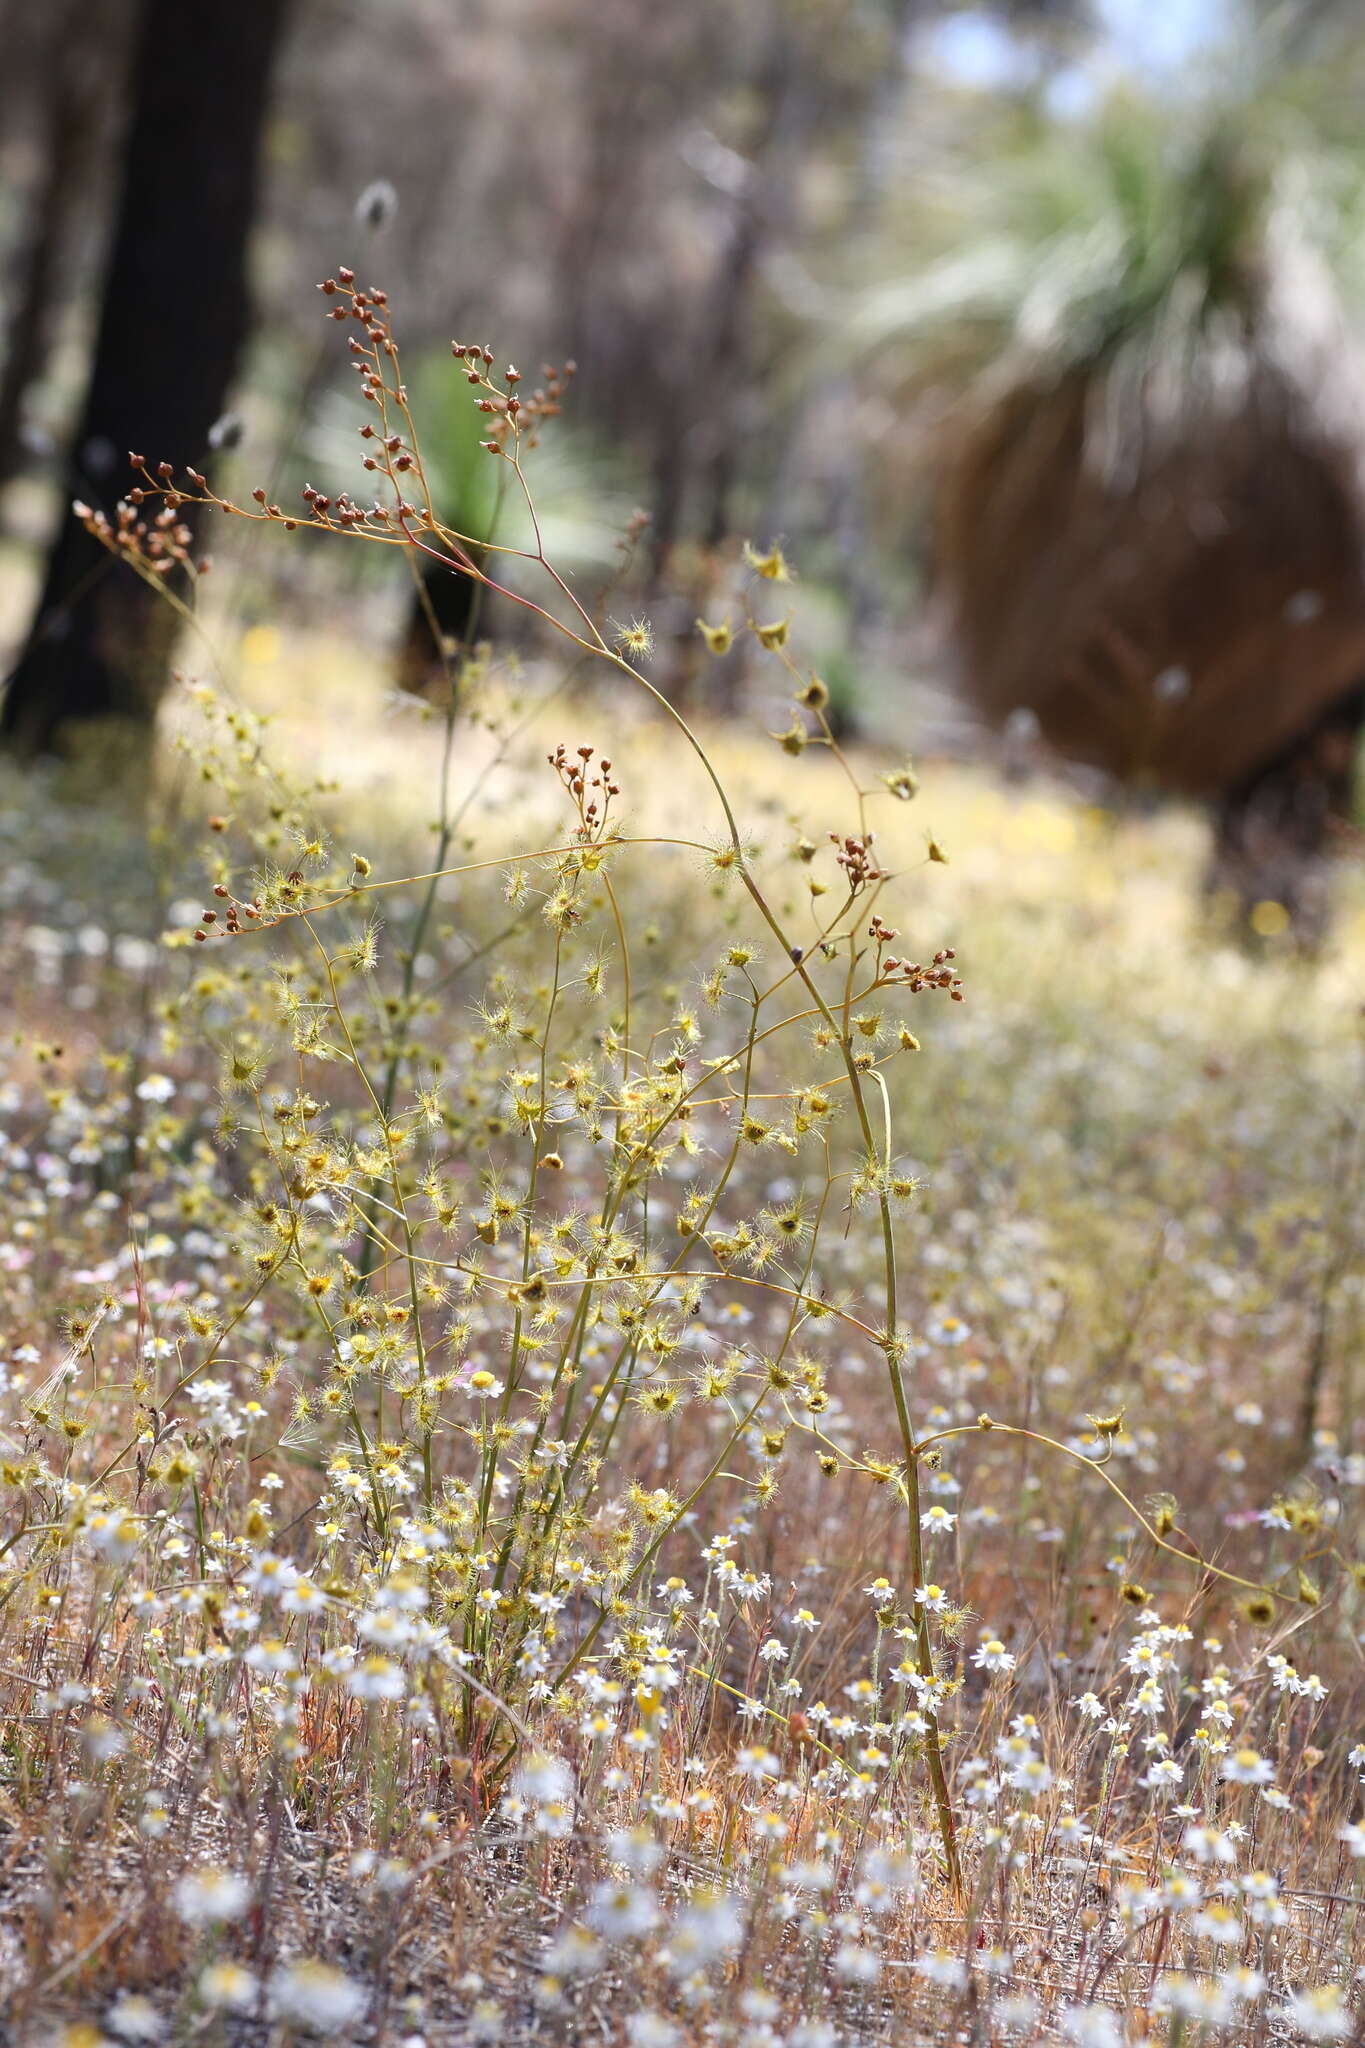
<point x="1138" y="1153"/>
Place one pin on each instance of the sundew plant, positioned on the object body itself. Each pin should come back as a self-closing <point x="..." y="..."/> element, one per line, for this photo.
<point x="400" y="1631"/>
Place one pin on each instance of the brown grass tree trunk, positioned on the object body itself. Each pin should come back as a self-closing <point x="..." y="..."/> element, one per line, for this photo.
<point x="172" y="323"/>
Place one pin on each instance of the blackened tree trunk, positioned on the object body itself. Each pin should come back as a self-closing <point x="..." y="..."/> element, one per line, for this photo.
<point x="76" y="87"/>
<point x="1273" y="836"/>
<point x="173" y="320"/>
<point x="440" y="623"/>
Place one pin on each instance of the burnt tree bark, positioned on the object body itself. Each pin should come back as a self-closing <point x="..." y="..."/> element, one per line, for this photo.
<point x="426" y="663"/>
<point x="1273" y="834"/>
<point x="173" y="319"/>
<point x="74" y="101"/>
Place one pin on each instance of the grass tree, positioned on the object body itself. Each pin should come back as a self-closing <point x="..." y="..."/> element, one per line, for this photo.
<point x="1150" y="522"/>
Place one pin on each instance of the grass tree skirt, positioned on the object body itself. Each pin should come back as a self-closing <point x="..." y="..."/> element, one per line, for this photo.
<point x="1163" y="561"/>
